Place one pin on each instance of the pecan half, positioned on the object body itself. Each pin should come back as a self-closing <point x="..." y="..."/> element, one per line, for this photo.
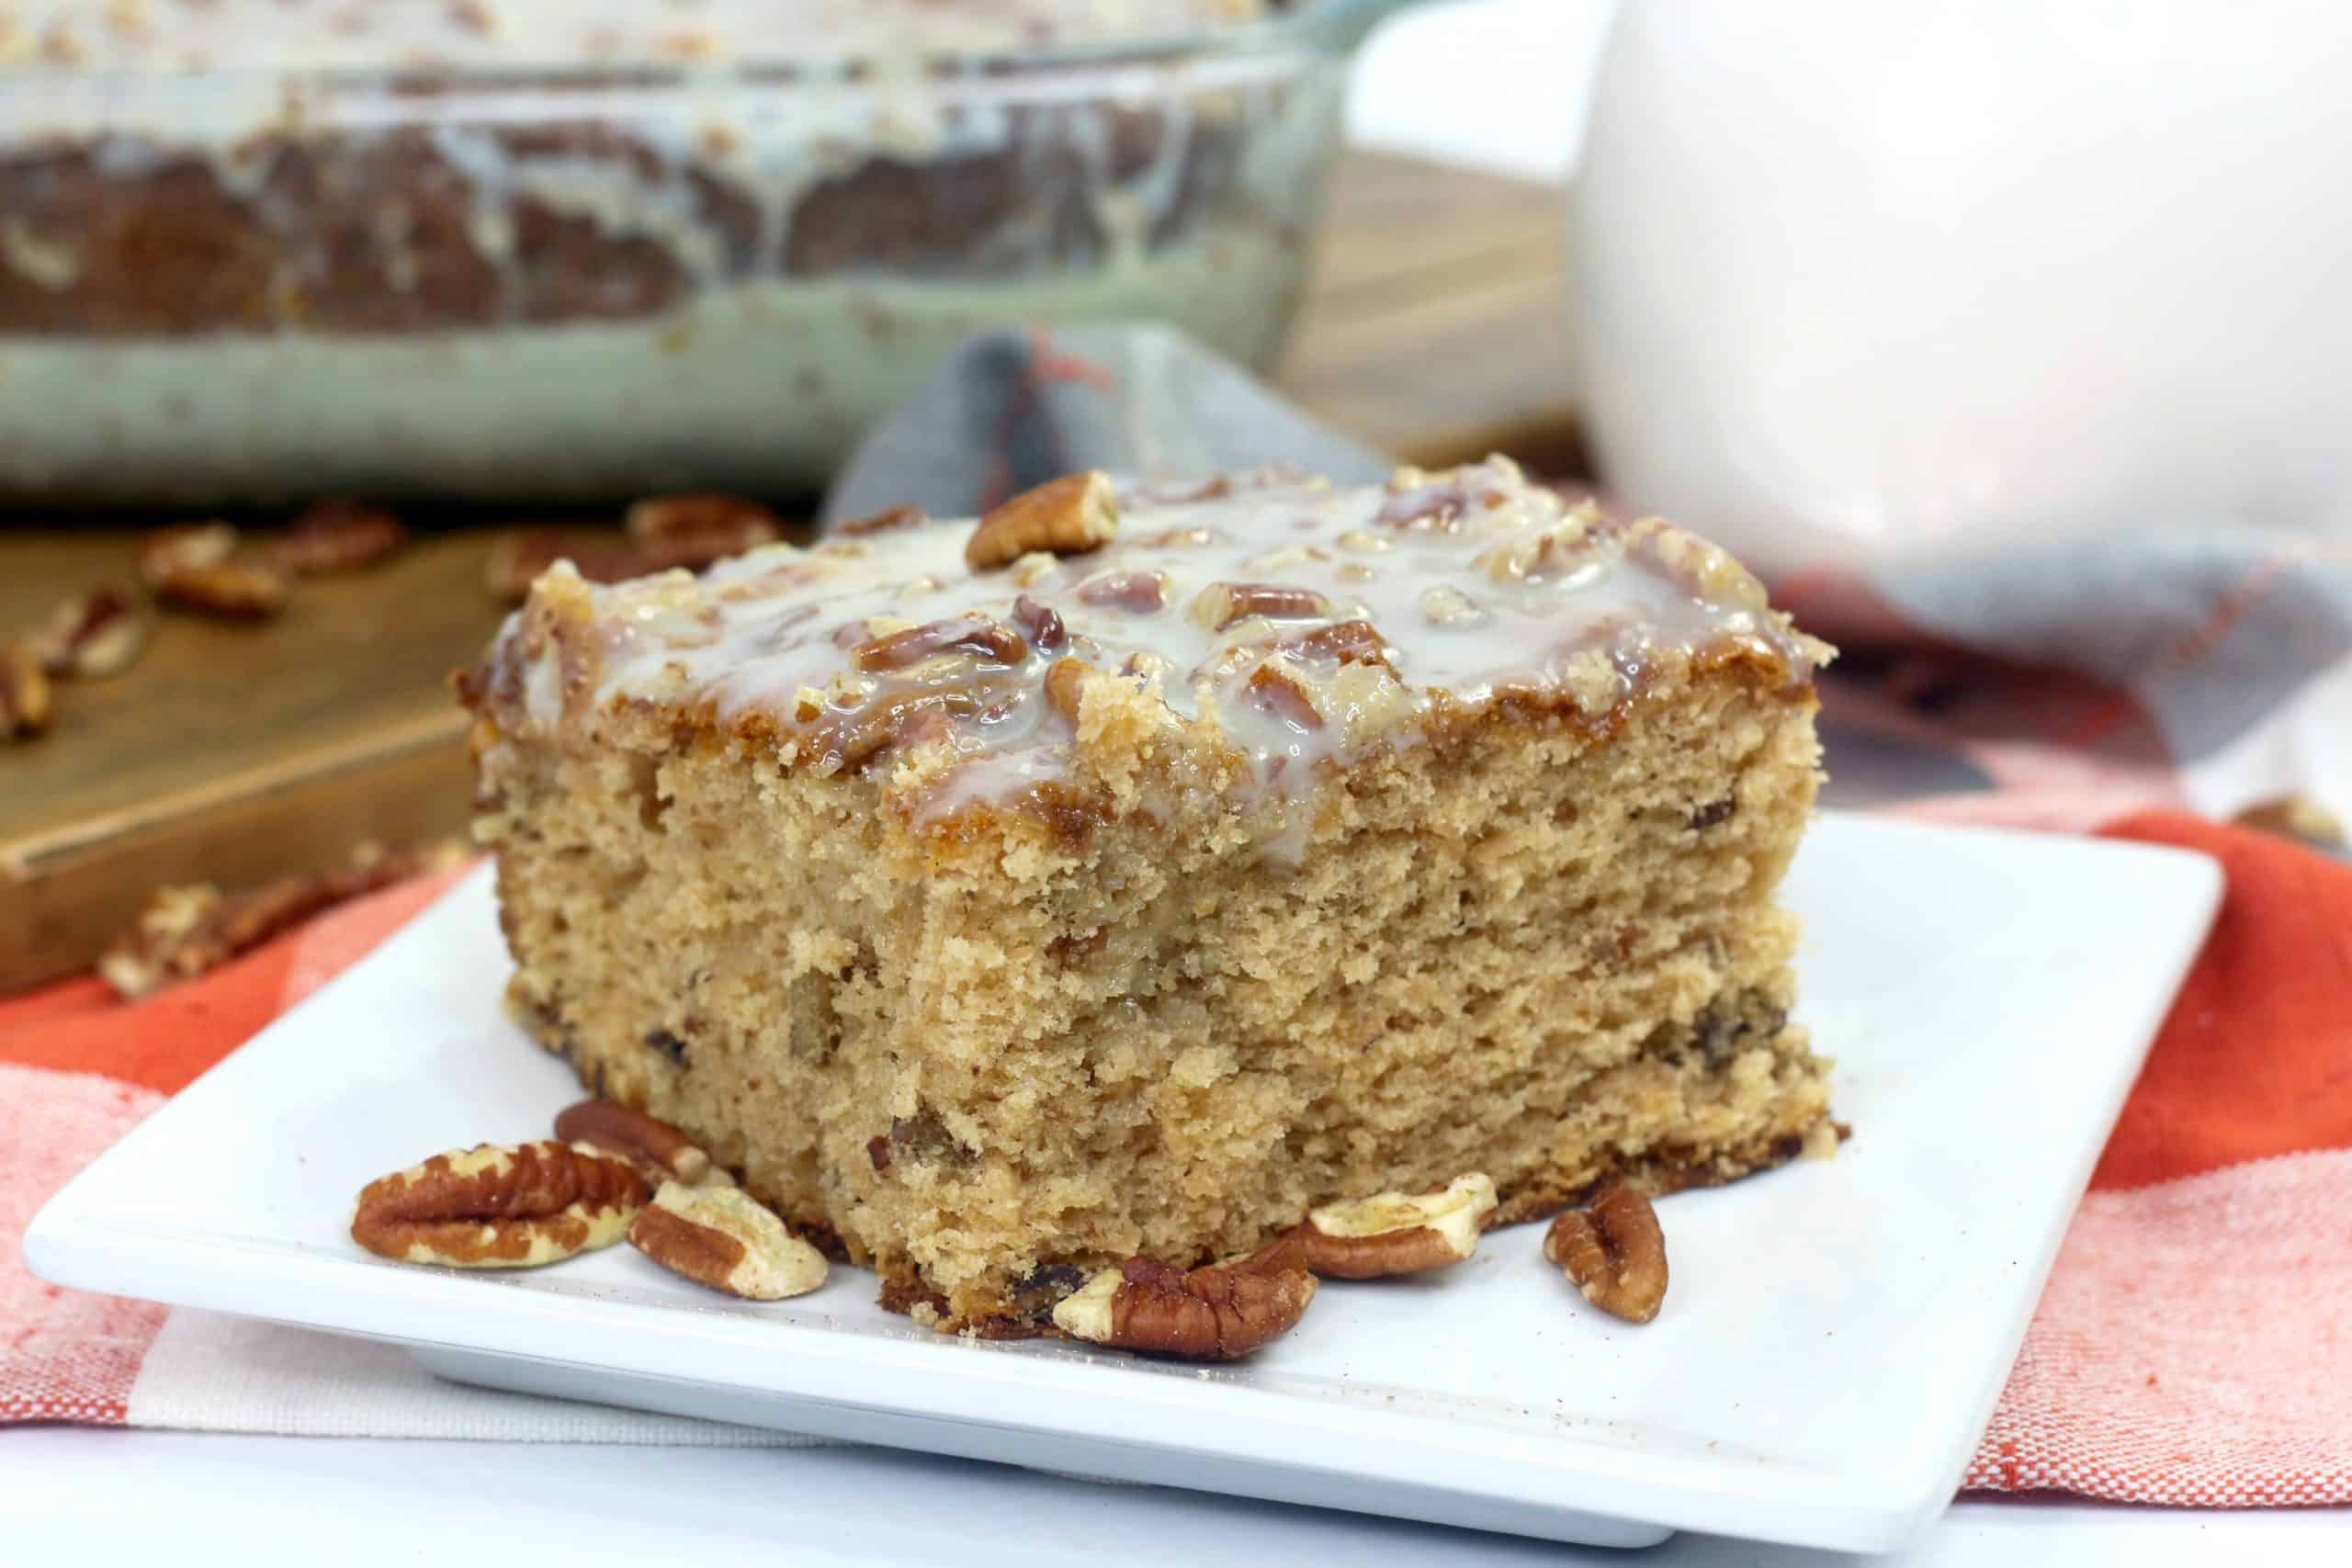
<point x="499" y="1206"/>
<point x="1220" y="605"/>
<point x="205" y="569"/>
<point x="1394" y="1233"/>
<point x="91" y="634"/>
<point x="901" y="650"/>
<point x="1141" y="591"/>
<point x="1211" y="1315"/>
<point x="881" y="522"/>
<point x="24" y="695"/>
<point x="1067" y="516"/>
<point x="340" y="535"/>
<point x="693" y="531"/>
<point x="719" y="1236"/>
<point x="653" y="1145"/>
<point x="1613" y="1251"/>
<point x="1047" y="633"/>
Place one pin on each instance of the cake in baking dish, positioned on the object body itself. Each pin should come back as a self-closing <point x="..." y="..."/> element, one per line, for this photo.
<point x="534" y="249"/>
<point x="1128" y="872"/>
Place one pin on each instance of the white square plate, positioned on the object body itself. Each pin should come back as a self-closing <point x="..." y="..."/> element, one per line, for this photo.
<point x="1829" y="1351"/>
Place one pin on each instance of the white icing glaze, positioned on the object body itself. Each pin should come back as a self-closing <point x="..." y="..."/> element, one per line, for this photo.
<point x="1482" y="589"/>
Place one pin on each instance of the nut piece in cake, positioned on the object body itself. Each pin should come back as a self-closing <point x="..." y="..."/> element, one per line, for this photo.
<point x="1206" y="1314"/>
<point x="653" y="1147"/>
<point x="719" y="1236"/>
<point x="500" y="1206"/>
<point x="1613" y="1251"/>
<point x="1067" y="516"/>
<point x="1393" y="1233"/>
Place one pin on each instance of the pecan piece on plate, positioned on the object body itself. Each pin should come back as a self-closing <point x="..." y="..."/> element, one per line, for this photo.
<point x="92" y="634"/>
<point x="720" y="1237"/>
<point x="337" y="535"/>
<point x="1613" y="1251"/>
<point x="206" y="568"/>
<point x="1210" y="1314"/>
<point x="654" y="1146"/>
<point x="1067" y="516"/>
<point x="1393" y="1233"/>
<point x="500" y="1206"/>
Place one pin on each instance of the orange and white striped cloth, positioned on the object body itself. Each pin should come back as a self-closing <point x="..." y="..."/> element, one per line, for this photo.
<point x="2190" y="1348"/>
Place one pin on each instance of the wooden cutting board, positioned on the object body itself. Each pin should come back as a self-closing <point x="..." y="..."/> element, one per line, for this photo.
<point x="1433" y="327"/>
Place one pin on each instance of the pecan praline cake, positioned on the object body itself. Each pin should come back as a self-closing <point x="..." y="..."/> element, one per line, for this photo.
<point x="1152" y="864"/>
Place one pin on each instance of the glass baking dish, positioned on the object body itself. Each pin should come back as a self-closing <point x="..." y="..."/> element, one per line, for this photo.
<point x="589" y="282"/>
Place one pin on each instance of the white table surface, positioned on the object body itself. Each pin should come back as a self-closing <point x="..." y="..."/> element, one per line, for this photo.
<point x="97" y="1498"/>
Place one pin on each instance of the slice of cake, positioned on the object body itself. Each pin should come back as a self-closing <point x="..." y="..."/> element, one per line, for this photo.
<point x="1128" y="873"/>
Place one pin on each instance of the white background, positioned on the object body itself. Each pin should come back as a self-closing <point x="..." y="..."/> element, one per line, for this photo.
<point x="1495" y="82"/>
